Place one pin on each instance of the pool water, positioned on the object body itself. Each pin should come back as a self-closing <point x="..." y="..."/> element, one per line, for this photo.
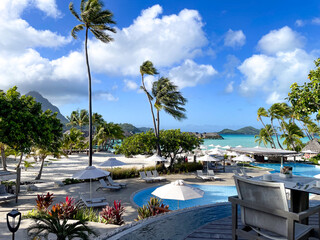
<point x="213" y="194"/>
<point x="300" y="169"/>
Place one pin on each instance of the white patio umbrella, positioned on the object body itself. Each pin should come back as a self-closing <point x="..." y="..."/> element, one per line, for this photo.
<point x="178" y="190"/>
<point x="218" y="146"/>
<point x="239" y="146"/>
<point x="216" y="151"/>
<point x="156" y="158"/>
<point x="112" y="162"/>
<point x="226" y="147"/>
<point x="208" y="158"/>
<point x="232" y="154"/>
<point x="243" y="158"/>
<point x="90" y="172"/>
<point x="211" y="145"/>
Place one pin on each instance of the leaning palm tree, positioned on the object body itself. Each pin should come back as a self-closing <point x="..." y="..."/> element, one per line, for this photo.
<point x="147" y="68"/>
<point x="168" y="98"/>
<point x="264" y="136"/>
<point x="45" y="224"/>
<point x="262" y="112"/>
<point x="292" y="136"/>
<point x="275" y="113"/>
<point x="98" y="21"/>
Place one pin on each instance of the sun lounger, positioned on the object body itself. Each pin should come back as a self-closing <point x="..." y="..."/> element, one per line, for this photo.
<point x="150" y="175"/>
<point x="144" y="177"/>
<point x="4" y="195"/>
<point x="156" y="174"/>
<point x="236" y="173"/>
<point x="104" y="186"/>
<point x="212" y="175"/>
<point x="202" y="176"/>
<point x="244" y="173"/>
<point x="116" y="184"/>
<point x="94" y="202"/>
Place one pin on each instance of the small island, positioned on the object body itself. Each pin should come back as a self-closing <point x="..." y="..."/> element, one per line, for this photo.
<point x="209" y="135"/>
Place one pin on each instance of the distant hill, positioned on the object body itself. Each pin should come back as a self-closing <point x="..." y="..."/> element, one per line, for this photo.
<point x="45" y="105"/>
<point x="241" y="131"/>
<point x="129" y="128"/>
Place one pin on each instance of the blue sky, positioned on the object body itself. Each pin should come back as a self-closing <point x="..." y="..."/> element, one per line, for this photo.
<point x="228" y="57"/>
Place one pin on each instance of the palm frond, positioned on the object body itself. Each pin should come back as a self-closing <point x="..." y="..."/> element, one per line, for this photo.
<point x="101" y="35"/>
<point x="76" y="29"/>
<point x="71" y="8"/>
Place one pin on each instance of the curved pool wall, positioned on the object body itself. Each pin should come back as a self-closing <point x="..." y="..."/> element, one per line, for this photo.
<point x="301" y="169"/>
<point x="173" y="225"/>
<point x="213" y="194"/>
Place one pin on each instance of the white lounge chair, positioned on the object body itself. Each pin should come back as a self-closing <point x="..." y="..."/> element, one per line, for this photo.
<point x="116" y="184"/>
<point x="104" y="186"/>
<point x="150" y="175"/>
<point x="212" y="175"/>
<point x="236" y="173"/>
<point x="145" y="178"/>
<point x="94" y="202"/>
<point x="244" y="173"/>
<point x="156" y="174"/>
<point x="202" y="176"/>
<point x="265" y="212"/>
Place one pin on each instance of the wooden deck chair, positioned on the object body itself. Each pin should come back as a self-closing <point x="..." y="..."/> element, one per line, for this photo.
<point x="116" y="184"/>
<point x="104" y="185"/>
<point x="265" y="212"/>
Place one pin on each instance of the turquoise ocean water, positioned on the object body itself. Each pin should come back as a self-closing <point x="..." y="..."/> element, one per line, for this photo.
<point x="235" y="140"/>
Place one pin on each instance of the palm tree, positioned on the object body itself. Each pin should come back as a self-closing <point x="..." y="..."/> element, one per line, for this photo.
<point x="45" y="224"/>
<point x="78" y="118"/>
<point x="92" y="18"/>
<point x="107" y="134"/>
<point x="168" y="98"/>
<point x="292" y="136"/>
<point x="262" y="112"/>
<point x="275" y="113"/>
<point x="147" y="68"/>
<point x="97" y="120"/>
<point x="264" y="136"/>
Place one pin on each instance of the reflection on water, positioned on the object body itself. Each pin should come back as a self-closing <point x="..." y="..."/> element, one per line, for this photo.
<point x="179" y="226"/>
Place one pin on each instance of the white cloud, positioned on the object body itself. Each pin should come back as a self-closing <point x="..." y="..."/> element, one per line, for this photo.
<point x="284" y="39"/>
<point x="316" y="21"/>
<point x="274" y="98"/>
<point x="190" y="74"/>
<point x="130" y="85"/>
<point x="165" y="41"/>
<point x="229" y="68"/>
<point x="49" y="7"/>
<point x="229" y="88"/>
<point x="273" y="75"/>
<point x="234" y="38"/>
<point x="105" y="96"/>
<point x="299" y="23"/>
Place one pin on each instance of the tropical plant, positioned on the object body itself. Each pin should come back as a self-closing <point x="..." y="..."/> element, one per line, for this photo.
<point x="107" y="134"/>
<point x="275" y="112"/>
<point x="113" y="214"/>
<point x="98" y="21"/>
<point x="46" y="223"/>
<point x="292" y="136"/>
<point x="72" y="140"/>
<point x="153" y="207"/>
<point x="78" y="118"/>
<point x="44" y="202"/>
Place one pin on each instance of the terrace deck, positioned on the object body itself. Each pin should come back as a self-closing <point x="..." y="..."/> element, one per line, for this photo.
<point x="221" y="229"/>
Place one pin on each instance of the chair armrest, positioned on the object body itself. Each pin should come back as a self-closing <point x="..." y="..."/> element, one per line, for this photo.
<point x="254" y="206"/>
<point x="308" y="212"/>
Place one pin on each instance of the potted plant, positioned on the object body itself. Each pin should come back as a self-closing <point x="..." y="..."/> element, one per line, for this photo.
<point x="286" y="172"/>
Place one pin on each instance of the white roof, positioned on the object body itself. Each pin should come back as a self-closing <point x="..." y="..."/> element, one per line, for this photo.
<point x="263" y="151"/>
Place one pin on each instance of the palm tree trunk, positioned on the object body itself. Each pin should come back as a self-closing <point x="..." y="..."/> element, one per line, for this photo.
<point x="3" y="157"/>
<point x="272" y="144"/>
<point x="158" y="138"/>
<point x="41" y="167"/>
<point x="20" y="160"/>
<point x="276" y="134"/>
<point x="153" y="118"/>
<point x="90" y="103"/>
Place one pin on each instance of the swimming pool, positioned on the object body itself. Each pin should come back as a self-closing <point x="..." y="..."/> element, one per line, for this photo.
<point x="213" y="194"/>
<point x="301" y="169"/>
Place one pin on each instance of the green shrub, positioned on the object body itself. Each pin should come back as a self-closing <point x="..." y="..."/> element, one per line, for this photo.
<point x="187" y="167"/>
<point x="68" y="181"/>
<point x="123" y="173"/>
<point x="149" y="210"/>
<point x="315" y="159"/>
<point x="87" y="214"/>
